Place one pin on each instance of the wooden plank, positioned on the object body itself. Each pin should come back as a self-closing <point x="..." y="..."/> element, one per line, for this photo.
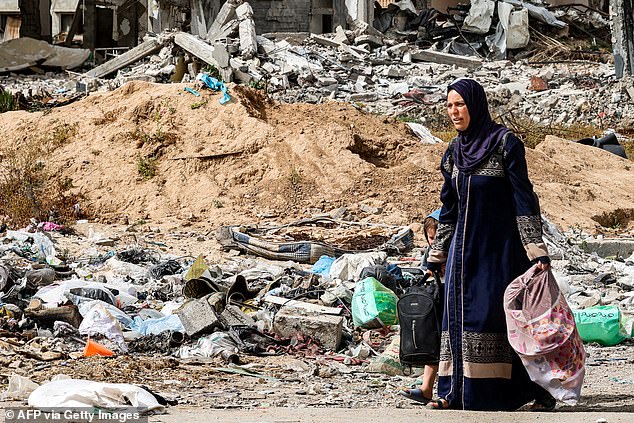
<point x="446" y="59"/>
<point x="12" y="28"/>
<point x="303" y="305"/>
<point x="137" y="53"/>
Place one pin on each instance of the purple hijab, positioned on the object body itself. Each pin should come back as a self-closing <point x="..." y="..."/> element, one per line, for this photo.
<point x="483" y="135"/>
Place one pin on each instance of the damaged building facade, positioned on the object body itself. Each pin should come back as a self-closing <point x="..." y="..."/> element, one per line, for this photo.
<point x="122" y="23"/>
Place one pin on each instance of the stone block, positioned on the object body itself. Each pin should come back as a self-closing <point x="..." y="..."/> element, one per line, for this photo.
<point x="233" y="316"/>
<point x="199" y="316"/>
<point x="610" y="247"/>
<point x="221" y="55"/>
<point x="327" y="329"/>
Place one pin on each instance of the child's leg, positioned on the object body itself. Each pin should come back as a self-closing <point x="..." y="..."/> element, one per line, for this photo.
<point x="429" y="378"/>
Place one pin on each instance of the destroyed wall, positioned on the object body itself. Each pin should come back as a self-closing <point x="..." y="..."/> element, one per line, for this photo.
<point x="60" y="10"/>
<point x="111" y="24"/>
<point x="316" y="16"/>
<point x="622" y="14"/>
<point x="30" y="12"/>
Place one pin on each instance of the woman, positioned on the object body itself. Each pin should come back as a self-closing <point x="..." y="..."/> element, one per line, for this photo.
<point x="489" y="233"/>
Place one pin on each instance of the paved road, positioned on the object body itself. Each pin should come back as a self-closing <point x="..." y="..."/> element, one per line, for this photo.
<point x="379" y="415"/>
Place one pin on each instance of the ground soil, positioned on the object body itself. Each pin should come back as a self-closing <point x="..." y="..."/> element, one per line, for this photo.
<point x="252" y="160"/>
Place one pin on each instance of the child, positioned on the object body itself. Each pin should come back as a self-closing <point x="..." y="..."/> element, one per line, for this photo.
<point x="423" y="394"/>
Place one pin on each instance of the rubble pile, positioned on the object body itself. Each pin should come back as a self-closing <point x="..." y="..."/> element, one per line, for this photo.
<point x="388" y="71"/>
<point x="115" y="299"/>
<point x="315" y="208"/>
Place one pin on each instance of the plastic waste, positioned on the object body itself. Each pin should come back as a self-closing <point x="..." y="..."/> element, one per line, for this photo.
<point x="99" y="319"/>
<point x="339" y="292"/>
<point x="50" y="226"/>
<point x="123" y="268"/>
<point x="19" y="388"/>
<point x="171" y="306"/>
<point x="373" y="305"/>
<point x="264" y="320"/>
<point x="215" y="85"/>
<point x="349" y="266"/>
<point x="93" y="348"/>
<point x="541" y="329"/>
<point x="55" y="294"/>
<point x="77" y="394"/>
<point x="600" y="324"/>
<point x="192" y="91"/>
<point x="218" y="343"/>
<point x="79" y="295"/>
<point x="44" y="248"/>
<point x="322" y="266"/>
<point x="40" y="277"/>
<point x="158" y="325"/>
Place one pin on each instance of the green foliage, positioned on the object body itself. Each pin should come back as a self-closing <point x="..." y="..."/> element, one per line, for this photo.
<point x="405" y="119"/>
<point x="212" y="71"/>
<point x="62" y="133"/>
<point x="258" y="85"/>
<point x="198" y="104"/>
<point x="28" y="190"/>
<point x="294" y="177"/>
<point x="147" y="167"/>
<point x="7" y="101"/>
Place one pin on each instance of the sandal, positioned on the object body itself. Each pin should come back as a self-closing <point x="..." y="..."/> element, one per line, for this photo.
<point x="438" y="404"/>
<point x="415" y="395"/>
<point x="544" y="401"/>
<point x="539" y="406"/>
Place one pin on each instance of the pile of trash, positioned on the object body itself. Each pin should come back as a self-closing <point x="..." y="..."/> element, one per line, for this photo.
<point x="302" y="298"/>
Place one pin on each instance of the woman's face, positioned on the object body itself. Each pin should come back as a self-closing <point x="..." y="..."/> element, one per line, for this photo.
<point x="457" y="111"/>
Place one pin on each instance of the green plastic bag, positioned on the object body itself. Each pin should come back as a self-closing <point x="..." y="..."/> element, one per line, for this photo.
<point x="600" y="324"/>
<point x="373" y="305"/>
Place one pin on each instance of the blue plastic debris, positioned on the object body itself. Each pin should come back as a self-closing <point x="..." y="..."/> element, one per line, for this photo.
<point x="193" y="91"/>
<point x="322" y="266"/>
<point x="215" y="85"/>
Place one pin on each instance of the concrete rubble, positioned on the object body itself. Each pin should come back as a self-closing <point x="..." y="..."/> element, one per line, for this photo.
<point x="381" y="72"/>
<point x="244" y="306"/>
<point x="143" y="300"/>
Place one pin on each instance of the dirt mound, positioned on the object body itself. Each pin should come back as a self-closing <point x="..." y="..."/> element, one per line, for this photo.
<point x="155" y="151"/>
<point x="583" y="186"/>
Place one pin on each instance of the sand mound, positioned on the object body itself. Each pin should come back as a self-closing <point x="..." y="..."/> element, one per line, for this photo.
<point x="580" y="185"/>
<point x="231" y="163"/>
<point x="155" y="151"/>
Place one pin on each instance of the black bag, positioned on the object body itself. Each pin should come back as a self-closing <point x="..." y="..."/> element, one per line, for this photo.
<point x="420" y="317"/>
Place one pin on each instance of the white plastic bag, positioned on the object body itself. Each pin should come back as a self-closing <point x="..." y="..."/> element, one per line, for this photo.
<point x="19" y="388"/>
<point x="541" y="329"/>
<point x="76" y="394"/>
<point x="349" y="266"/>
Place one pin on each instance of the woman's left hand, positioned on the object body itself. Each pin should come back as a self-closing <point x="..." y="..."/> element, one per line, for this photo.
<point x="543" y="266"/>
<point x="543" y="263"/>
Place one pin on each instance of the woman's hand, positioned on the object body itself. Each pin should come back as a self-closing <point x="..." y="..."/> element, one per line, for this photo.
<point x="543" y="263"/>
<point x="543" y="266"/>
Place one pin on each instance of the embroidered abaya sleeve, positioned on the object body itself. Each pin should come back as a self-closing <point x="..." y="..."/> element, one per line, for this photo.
<point x="448" y="212"/>
<point x="527" y="210"/>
